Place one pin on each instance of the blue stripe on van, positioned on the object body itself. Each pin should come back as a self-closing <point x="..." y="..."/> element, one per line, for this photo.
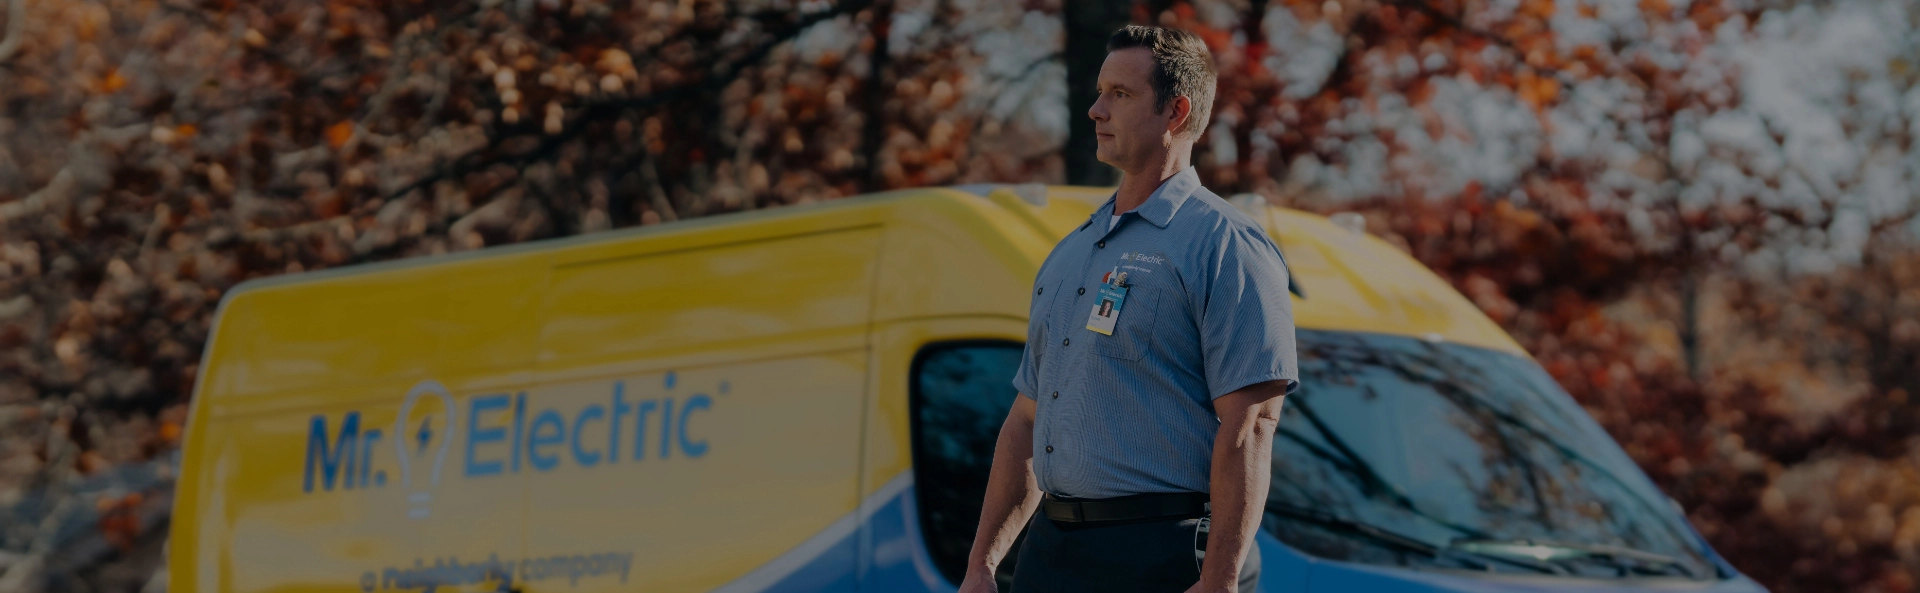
<point x="822" y="562"/>
<point x="900" y="561"/>
<point x="900" y="564"/>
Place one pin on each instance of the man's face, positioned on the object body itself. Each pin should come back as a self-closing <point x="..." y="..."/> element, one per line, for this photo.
<point x="1128" y="133"/>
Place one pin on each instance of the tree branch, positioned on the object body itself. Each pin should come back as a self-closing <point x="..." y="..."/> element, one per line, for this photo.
<point x="873" y="99"/>
<point x="16" y="29"/>
<point x="724" y="74"/>
<point x="497" y="137"/>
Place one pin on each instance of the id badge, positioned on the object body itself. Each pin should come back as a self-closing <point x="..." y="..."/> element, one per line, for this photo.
<point x="1106" y="309"/>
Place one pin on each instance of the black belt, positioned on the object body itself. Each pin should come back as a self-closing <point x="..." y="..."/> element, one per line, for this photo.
<point x="1125" y="508"/>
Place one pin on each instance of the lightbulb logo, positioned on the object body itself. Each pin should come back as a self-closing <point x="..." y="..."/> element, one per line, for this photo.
<point x="415" y="436"/>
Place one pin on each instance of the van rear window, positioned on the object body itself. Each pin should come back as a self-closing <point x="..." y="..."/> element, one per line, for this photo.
<point x="961" y="394"/>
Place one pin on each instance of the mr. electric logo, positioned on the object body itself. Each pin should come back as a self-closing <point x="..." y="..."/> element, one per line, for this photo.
<point x="503" y="433"/>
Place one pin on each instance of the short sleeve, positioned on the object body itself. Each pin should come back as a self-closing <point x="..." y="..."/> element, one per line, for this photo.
<point x="1246" y="316"/>
<point x="1023" y="378"/>
<point x="1026" y="379"/>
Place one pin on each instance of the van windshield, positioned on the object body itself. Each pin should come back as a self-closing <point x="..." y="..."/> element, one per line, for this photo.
<point x="1402" y="451"/>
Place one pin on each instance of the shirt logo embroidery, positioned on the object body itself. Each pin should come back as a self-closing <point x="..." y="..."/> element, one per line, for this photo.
<point x="1143" y="258"/>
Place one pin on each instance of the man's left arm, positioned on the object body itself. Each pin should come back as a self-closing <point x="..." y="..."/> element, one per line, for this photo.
<point x="1247" y="335"/>
<point x="1242" y="470"/>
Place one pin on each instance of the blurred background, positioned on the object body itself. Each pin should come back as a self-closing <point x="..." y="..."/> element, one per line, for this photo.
<point x="1699" y="215"/>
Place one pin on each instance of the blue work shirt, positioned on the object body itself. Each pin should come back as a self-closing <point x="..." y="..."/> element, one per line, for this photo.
<point x="1206" y="313"/>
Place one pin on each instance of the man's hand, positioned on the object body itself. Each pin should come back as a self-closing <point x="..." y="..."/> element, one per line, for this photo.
<point x="1201" y="587"/>
<point x="979" y="582"/>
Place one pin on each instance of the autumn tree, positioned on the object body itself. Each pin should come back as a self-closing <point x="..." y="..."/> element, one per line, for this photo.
<point x="1582" y="170"/>
<point x="153" y="154"/>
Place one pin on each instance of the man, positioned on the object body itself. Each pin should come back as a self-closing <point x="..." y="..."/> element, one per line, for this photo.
<point x="1146" y="448"/>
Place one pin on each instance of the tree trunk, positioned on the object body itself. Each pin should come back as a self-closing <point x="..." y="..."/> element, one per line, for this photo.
<point x="1089" y="23"/>
<point x="1690" y="322"/>
<point x="874" y="101"/>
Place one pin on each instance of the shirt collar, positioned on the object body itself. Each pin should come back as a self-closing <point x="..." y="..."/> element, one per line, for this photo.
<point x="1166" y="199"/>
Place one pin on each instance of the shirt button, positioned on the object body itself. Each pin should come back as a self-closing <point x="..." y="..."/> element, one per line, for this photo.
<point x="1049" y="448"/>
<point x="1041" y="291"/>
<point x="1056" y="395"/>
<point x="1083" y="290"/>
<point x="1102" y="244"/>
<point x="1066" y="341"/>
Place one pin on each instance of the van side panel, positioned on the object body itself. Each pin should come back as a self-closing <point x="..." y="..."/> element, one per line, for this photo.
<point x="711" y="473"/>
<point x="409" y="322"/>
<point x="320" y="499"/>
<point x="719" y="389"/>
<point x="962" y="256"/>
<point x="811" y="291"/>
<point x="300" y="471"/>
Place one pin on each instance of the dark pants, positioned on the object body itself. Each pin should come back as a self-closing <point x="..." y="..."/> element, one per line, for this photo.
<point x="1148" y="556"/>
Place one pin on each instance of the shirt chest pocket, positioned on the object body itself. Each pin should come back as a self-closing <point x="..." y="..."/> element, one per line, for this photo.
<point x="1133" y="331"/>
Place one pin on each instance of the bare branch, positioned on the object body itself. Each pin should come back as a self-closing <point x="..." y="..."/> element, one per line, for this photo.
<point x="655" y="193"/>
<point x="57" y="191"/>
<point x="723" y="74"/>
<point x="16" y="29"/>
<point x="403" y="51"/>
<point x="85" y="172"/>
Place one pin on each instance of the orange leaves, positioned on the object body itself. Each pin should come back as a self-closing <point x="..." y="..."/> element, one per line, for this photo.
<point x="89" y="20"/>
<point x="1217" y="40"/>
<point x="615" y="61"/>
<point x="1540" y="9"/>
<point x="338" y="134"/>
<point x="120" y="519"/>
<point x="1536" y="91"/>
<point x="1490" y="298"/>
<point x="111" y="83"/>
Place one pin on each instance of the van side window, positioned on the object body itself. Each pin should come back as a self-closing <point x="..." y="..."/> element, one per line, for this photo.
<point x="961" y="394"/>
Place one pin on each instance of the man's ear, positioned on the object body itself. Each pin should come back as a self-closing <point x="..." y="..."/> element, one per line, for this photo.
<point x="1177" y="112"/>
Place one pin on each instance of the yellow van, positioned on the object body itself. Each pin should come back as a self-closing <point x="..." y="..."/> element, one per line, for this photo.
<point x="806" y="399"/>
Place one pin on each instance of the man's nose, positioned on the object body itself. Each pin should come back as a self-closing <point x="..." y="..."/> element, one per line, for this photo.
<point x="1099" y="109"/>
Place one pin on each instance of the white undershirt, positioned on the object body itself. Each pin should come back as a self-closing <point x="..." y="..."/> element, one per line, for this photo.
<point x="1114" y="223"/>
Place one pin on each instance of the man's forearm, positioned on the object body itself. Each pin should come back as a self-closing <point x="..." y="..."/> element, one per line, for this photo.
<point x="1242" y="468"/>
<point x="1012" y="493"/>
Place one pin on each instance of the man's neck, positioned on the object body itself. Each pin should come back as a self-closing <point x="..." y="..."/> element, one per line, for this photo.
<point x="1137" y="186"/>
